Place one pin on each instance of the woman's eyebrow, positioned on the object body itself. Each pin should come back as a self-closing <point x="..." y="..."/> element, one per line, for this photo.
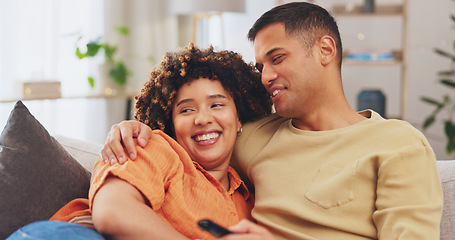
<point x="217" y="96"/>
<point x="213" y="96"/>
<point x="185" y="101"/>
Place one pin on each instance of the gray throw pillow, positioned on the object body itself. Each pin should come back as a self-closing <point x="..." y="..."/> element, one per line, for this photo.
<point x="37" y="175"/>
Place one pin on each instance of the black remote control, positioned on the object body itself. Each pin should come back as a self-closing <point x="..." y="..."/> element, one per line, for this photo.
<point x="213" y="228"/>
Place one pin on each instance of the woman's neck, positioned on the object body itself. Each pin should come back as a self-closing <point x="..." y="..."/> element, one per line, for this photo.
<point x="222" y="176"/>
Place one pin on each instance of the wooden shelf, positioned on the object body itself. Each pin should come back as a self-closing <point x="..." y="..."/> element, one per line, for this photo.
<point x="357" y="11"/>
<point x="372" y="63"/>
<point x="384" y="14"/>
<point x="396" y="60"/>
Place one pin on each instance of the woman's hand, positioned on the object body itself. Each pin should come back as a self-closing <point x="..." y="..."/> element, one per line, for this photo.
<point x="119" y="141"/>
<point x="247" y="230"/>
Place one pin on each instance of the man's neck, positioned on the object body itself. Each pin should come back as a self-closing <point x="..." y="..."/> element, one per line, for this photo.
<point x="327" y="119"/>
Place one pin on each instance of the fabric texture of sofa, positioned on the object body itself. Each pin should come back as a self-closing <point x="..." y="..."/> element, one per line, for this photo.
<point x="447" y="175"/>
<point x="40" y="173"/>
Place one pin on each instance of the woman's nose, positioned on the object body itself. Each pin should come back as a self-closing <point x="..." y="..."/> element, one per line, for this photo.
<point x="203" y="117"/>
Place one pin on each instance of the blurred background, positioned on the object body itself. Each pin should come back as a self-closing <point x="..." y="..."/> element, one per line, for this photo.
<point x="52" y="55"/>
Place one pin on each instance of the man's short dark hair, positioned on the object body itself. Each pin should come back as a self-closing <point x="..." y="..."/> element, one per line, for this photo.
<point x="305" y="21"/>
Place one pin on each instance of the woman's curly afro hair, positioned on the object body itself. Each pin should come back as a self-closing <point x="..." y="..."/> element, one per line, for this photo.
<point x="241" y="80"/>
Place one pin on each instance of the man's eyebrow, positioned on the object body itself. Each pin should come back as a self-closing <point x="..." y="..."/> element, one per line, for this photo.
<point x="271" y="51"/>
<point x="259" y="66"/>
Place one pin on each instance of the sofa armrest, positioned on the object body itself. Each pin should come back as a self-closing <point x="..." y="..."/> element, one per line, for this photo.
<point x="447" y="174"/>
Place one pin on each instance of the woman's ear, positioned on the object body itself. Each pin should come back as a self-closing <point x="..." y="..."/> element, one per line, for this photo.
<point x="328" y="49"/>
<point x="239" y="128"/>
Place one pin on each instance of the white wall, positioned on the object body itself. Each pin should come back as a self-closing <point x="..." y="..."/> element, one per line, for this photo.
<point x="429" y="27"/>
<point x="88" y="119"/>
<point x="153" y="32"/>
<point x="238" y="24"/>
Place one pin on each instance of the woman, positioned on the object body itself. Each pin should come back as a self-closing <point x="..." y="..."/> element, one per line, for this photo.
<point x="199" y="100"/>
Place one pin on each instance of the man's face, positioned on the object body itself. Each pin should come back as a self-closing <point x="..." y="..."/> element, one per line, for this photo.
<point x="289" y="70"/>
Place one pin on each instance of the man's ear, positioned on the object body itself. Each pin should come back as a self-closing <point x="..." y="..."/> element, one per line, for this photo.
<point x="328" y="49"/>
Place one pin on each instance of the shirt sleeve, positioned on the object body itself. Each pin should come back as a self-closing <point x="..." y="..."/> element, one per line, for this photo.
<point x="409" y="195"/>
<point x="149" y="173"/>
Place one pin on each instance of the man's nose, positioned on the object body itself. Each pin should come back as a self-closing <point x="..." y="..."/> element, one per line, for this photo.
<point x="268" y="75"/>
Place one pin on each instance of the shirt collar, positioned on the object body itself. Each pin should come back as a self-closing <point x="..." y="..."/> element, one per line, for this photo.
<point x="235" y="182"/>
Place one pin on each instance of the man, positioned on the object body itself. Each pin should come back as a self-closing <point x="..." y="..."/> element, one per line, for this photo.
<point x="320" y="169"/>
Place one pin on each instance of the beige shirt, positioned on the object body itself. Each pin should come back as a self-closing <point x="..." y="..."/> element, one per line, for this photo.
<point x="376" y="179"/>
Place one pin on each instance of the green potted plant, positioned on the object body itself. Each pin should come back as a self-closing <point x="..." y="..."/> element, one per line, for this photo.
<point x="117" y="70"/>
<point x="447" y="102"/>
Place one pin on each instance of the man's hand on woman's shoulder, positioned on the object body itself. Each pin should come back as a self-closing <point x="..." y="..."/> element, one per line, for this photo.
<point x="119" y="141"/>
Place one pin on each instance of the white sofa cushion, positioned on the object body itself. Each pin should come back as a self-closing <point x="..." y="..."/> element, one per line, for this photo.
<point x="86" y="153"/>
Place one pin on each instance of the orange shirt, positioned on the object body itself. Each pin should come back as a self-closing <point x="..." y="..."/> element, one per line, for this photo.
<point x="178" y="189"/>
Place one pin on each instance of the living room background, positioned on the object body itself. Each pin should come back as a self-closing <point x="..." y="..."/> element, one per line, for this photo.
<point x="36" y="43"/>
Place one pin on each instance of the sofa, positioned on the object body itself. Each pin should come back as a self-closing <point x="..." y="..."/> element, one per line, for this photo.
<point x="40" y="173"/>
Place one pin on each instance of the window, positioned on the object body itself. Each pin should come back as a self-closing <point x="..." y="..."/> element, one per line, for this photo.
<point x="37" y="43"/>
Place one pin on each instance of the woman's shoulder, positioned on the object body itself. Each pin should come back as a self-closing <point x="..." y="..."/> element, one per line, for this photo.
<point x="161" y="139"/>
<point x="163" y="148"/>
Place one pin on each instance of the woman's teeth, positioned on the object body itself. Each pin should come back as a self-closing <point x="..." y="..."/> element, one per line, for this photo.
<point x="206" y="137"/>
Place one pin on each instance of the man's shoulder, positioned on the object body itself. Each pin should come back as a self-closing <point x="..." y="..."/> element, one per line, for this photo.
<point x="399" y="130"/>
<point x="266" y="124"/>
<point x="406" y="130"/>
<point x="256" y="135"/>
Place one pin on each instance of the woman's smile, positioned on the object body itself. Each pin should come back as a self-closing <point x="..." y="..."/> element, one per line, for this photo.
<point x="207" y="138"/>
<point x="206" y="122"/>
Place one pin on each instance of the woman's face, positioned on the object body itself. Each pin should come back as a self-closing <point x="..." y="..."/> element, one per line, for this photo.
<point x="206" y="122"/>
